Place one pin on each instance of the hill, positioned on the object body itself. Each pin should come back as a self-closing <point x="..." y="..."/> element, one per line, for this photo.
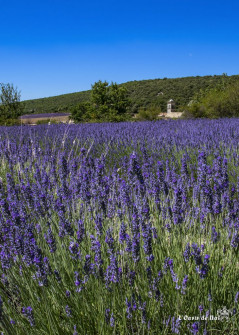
<point x="141" y="93"/>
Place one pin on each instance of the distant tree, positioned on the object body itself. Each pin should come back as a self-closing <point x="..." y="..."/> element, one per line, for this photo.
<point x="108" y="103"/>
<point x="99" y="93"/>
<point x="149" y="114"/>
<point x="81" y="112"/>
<point x="10" y="102"/>
<point x="118" y="99"/>
<point x="222" y="101"/>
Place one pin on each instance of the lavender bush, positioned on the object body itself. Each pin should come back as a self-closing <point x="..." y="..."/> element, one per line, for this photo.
<point x="119" y="228"/>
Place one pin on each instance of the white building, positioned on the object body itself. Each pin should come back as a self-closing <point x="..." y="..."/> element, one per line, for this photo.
<point x="171" y="110"/>
<point x="170" y="106"/>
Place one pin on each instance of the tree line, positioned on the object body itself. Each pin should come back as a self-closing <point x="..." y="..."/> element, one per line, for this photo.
<point x="142" y="94"/>
<point x="221" y="101"/>
<point x="114" y="103"/>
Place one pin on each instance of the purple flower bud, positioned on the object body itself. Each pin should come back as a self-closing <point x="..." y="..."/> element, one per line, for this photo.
<point x="112" y="320"/>
<point x="28" y="313"/>
<point x="68" y="311"/>
<point x="200" y="307"/>
<point x="236" y="297"/>
<point x="107" y="315"/>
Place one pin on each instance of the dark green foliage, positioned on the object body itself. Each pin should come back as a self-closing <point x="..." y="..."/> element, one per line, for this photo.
<point x="9" y="122"/>
<point x="99" y="93"/>
<point x="181" y="90"/>
<point x="149" y="114"/>
<point x="60" y="103"/>
<point x="81" y="112"/>
<point x="118" y="100"/>
<point x="10" y="106"/>
<point x="141" y="94"/>
<point x="108" y="103"/>
<point x="222" y="101"/>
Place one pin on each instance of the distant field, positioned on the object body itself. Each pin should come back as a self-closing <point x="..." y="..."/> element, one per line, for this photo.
<point x="34" y="118"/>
<point x="47" y="115"/>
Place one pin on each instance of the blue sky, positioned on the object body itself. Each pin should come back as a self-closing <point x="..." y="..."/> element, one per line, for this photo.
<point x="55" y="47"/>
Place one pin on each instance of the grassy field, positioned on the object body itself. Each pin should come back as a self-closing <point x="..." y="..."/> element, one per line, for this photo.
<point x="36" y="119"/>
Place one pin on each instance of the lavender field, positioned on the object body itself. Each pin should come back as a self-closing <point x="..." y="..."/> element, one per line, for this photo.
<point x="129" y="228"/>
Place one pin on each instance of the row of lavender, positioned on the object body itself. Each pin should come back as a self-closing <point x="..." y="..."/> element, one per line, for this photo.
<point x="119" y="228"/>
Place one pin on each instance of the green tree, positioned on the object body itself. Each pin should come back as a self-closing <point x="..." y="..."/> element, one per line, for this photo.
<point x="99" y="93"/>
<point x="118" y="99"/>
<point x="222" y="101"/>
<point x="149" y="114"/>
<point x="81" y="112"/>
<point x="108" y="103"/>
<point x="11" y="106"/>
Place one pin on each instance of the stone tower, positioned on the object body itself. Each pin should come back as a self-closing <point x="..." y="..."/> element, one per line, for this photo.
<point x="171" y="106"/>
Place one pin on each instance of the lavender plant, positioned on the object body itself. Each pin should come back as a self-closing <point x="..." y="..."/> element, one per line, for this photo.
<point x="127" y="228"/>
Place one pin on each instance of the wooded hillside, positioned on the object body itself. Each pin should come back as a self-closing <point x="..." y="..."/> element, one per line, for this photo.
<point x="141" y="93"/>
